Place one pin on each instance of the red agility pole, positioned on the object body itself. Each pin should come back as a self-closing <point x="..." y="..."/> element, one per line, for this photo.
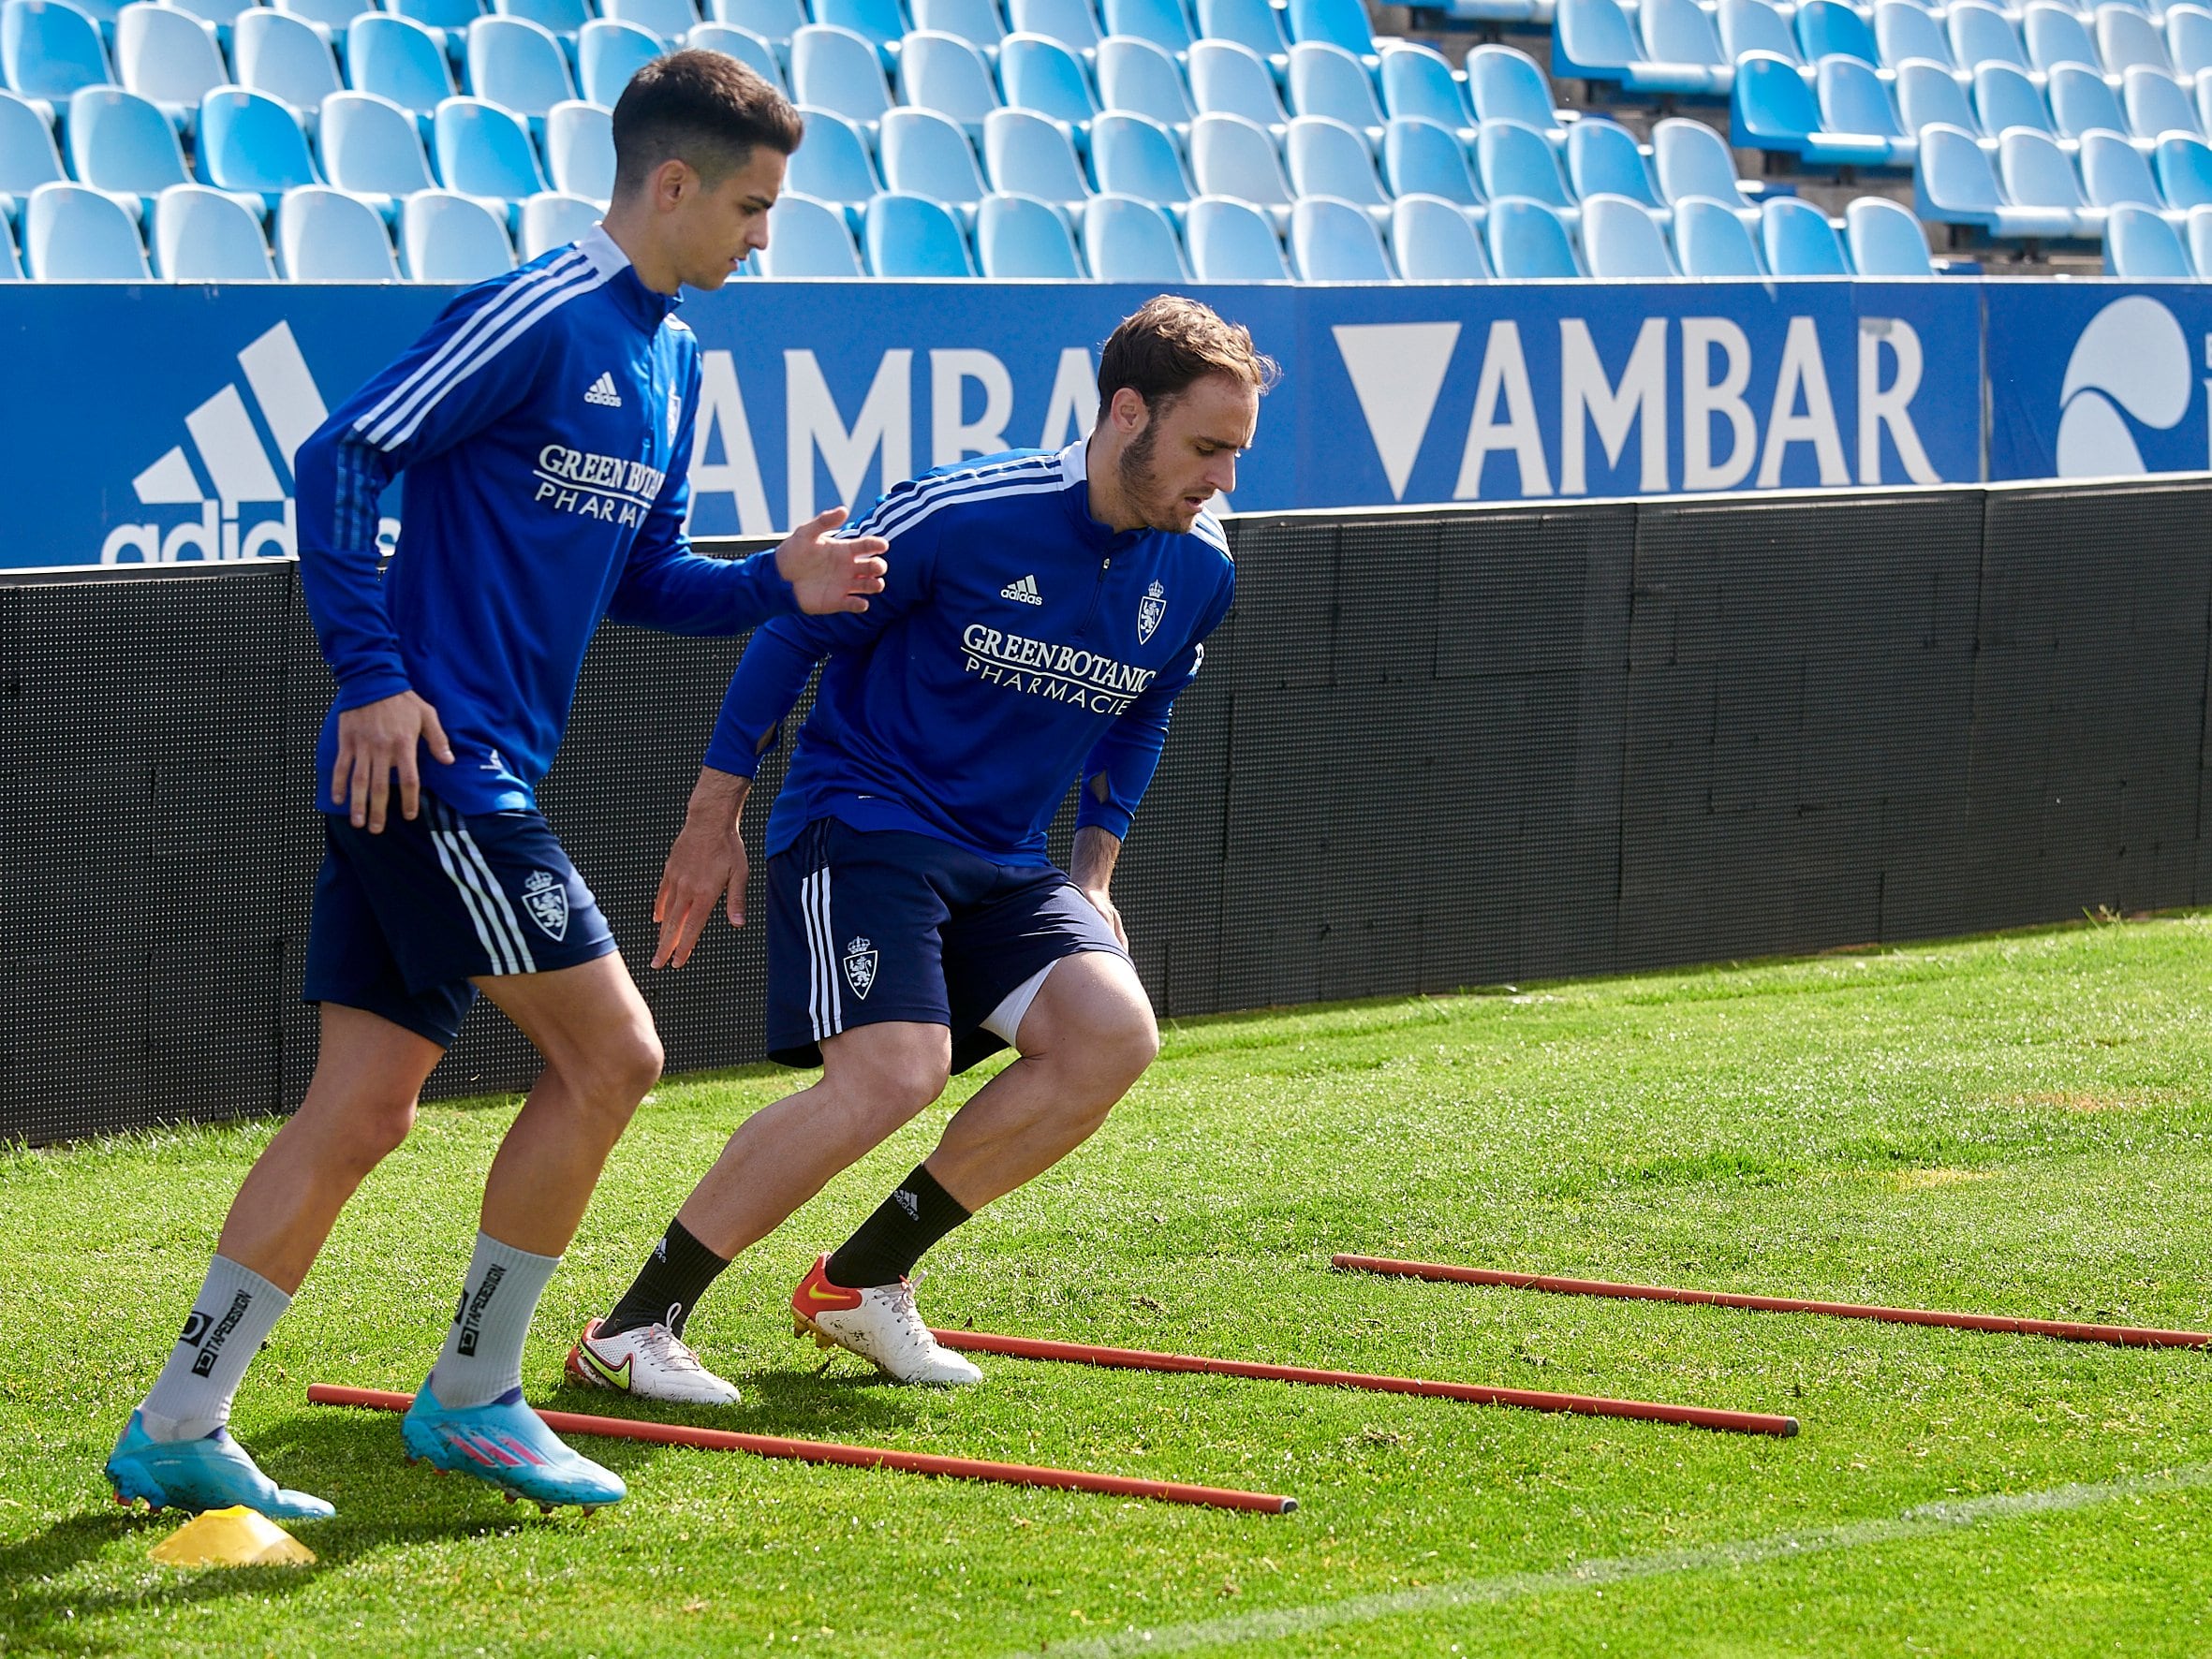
<point x="1698" y="1416"/>
<point x="860" y="1457"/>
<point x="2139" y="1336"/>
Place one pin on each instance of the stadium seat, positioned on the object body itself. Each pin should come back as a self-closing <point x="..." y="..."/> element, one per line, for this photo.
<point x="1928" y="93"/>
<point x="1337" y="22"/>
<point x="169" y="56"/>
<point x="1431" y="240"/>
<point x="202" y="235"/>
<point x="1797" y="240"/>
<point x="1682" y="52"/>
<point x="250" y="142"/>
<point x="1593" y="41"/>
<point x="1690" y="159"/>
<point x="122" y="143"/>
<point x="1418" y="83"/>
<point x="944" y="73"/>
<point x="519" y="66"/>
<point x="1075" y="23"/>
<point x="2054" y="35"/>
<point x="1753" y="25"/>
<point x="1019" y="238"/>
<point x="580" y="150"/>
<point x="1622" y="241"/>
<point x="2189" y="39"/>
<point x="1039" y="73"/>
<point x="1333" y="240"/>
<point x="1528" y="240"/>
<point x="1885" y="238"/>
<point x="667" y="20"/>
<point x="11" y="262"/>
<point x="1329" y="80"/>
<point x="745" y="46"/>
<point x="1231" y="80"/>
<point x="2080" y="102"/>
<point x="449" y="238"/>
<point x="372" y="147"/>
<point x="1232" y="241"/>
<point x="1711" y="239"/>
<point x="1328" y="158"/>
<point x="398" y="60"/>
<point x="2127" y="39"/>
<point x="833" y="165"/>
<point x="926" y="154"/>
<point x="1254" y="24"/>
<point x="48" y="50"/>
<point x="1503" y="84"/>
<point x="775" y="21"/>
<point x="2038" y="178"/>
<point x="563" y="18"/>
<point x="1859" y="127"/>
<point x="28" y="157"/>
<point x="1905" y="30"/>
<point x="2141" y="246"/>
<point x="1420" y="158"/>
<point x="1164" y="23"/>
<point x="284" y="57"/>
<point x="1025" y="155"/>
<point x="1133" y="156"/>
<point x="914" y="238"/>
<point x="807" y="237"/>
<point x="608" y="54"/>
<point x="976" y="22"/>
<point x="2156" y="105"/>
<point x="1955" y="185"/>
<point x="553" y="220"/>
<point x="1125" y="239"/>
<point x="483" y="150"/>
<point x="1981" y="33"/>
<point x="2197" y="232"/>
<point x="1513" y="160"/>
<point x="1234" y="157"/>
<point x="882" y="24"/>
<point x="2185" y="171"/>
<point x="445" y="17"/>
<point x="2004" y="97"/>
<point x="1829" y="28"/>
<point x="1136" y="75"/>
<point x="1602" y="157"/>
<point x="2114" y="172"/>
<point x="835" y="69"/>
<point x="74" y="233"/>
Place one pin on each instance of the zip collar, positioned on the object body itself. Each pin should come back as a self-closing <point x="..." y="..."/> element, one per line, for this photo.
<point x="1076" y="495"/>
<point x="648" y="309"/>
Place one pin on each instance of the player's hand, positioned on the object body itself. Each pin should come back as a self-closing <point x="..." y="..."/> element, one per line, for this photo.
<point x="375" y="741"/>
<point x="708" y="858"/>
<point x="829" y="573"/>
<point x="1104" y="906"/>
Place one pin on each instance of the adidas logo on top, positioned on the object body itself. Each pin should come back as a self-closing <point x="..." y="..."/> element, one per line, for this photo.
<point x="603" y="392"/>
<point x="1022" y="593"/>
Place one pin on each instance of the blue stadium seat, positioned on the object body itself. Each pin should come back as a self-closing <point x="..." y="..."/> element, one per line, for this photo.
<point x="202" y="235"/>
<point x="169" y="56"/>
<point x="1954" y="183"/>
<point x="445" y="17"/>
<point x="1432" y="239"/>
<point x="944" y="73"/>
<point x="2114" y="171"/>
<point x="1254" y="24"/>
<point x="667" y="21"/>
<point x="1859" y="127"/>
<point x="1333" y="240"/>
<point x="912" y="237"/>
<point x="1602" y="157"/>
<point x="1232" y="241"/>
<point x="2080" y="102"/>
<point x="370" y="146"/>
<point x="747" y="47"/>
<point x="48" y="50"/>
<point x="563" y="18"/>
<point x="250" y="142"/>
<point x="1339" y="22"/>
<point x="1418" y="83"/>
<point x="1420" y="158"/>
<point x="1754" y="25"/>
<point x="775" y="21"/>
<point x="1026" y="155"/>
<point x="1829" y="28"/>
<point x="2141" y="246"/>
<point x="1133" y="156"/>
<point x="74" y="233"/>
<point x="1593" y="41"/>
<point x="976" y="22"/>
<point x="519" y="66"/>
<point x="1798" y="241"/>
<point x="1075" y="23"/>
<point x="2038" y="178"/>
<point x="882" y="24"/>
<point x="1125" y="239"/>
<point x="2127" y="40"/>
<point x="2197" y="232"/>
<point x="1771" y="108"/>
<point x="1329" y="80"/>
<point x="1905" y="30"/>
<point x="1503" y="84"/>
<point x="1622" y="241"/>
<point x="398" y="60"/>
<point x="1039" y="73"/>
<point x="1136" y="75"/>
<point x="2005" y="97"/>
<point x="1711" y="239"/>
<point x="1885" y="238"/>
<point x="2204" y="101"/>
<point x="122" y="143"/>
<point x="1683" y="53"/>
<point x="1231" y="80"/>
<point x="1513" y="160"/>
<point x="1982" y="33"/>
<point x="28" y="157"/>
<point x="284" y="57"/>
<point x="807" y="237"/>
<point x="222" y="13"/>
<point x="926" y="154"/>
<point x="1164" y="23"/>
<point x="1690" y="159"/>
<point x="332" y="237"/>
<point x="580" y="150"/>
<point x="608" y="54"/>
<point x="2156" y="104"/>
<point x="2189" y="39"/>
<point x="483" y="150"/>
<point x="2054" y="35"/>
<point x="1528" y="240"/>
<point x="1928" y="93"/>
<point x="449" y="238"/>
<point x="1019" y="238"/>
<point x="1329" y="158"/>
<point x="553" y="220"/>
<point x="835" y="69"/>
<point x="1234" y="157"/>
<point x="11" y="262"/>
<point x="833" y="165"/>
<point x="2185" y="171"/>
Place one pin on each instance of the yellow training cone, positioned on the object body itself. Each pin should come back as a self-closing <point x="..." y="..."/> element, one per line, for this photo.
<point x="234" y="1537"/>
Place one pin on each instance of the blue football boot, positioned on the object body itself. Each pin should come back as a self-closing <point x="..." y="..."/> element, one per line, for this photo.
<point x="211" y="1473"/>
<point x="506" y="1443"/>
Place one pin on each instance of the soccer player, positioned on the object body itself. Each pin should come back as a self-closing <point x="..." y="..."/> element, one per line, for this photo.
<point x="1042" y="613"/>
<point x="545" y="426"/>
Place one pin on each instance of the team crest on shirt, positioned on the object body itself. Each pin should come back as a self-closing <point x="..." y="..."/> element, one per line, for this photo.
<point x="546" y="899"/>
<point x="1150" y="609"/>
<point x="860" y="967"/>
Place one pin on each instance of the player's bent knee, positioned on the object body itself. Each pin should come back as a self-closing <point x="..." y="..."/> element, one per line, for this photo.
<point x="898" y="1072"/>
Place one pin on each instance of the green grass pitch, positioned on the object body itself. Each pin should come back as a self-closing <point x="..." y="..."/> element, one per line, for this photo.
<point x="2013" y="1125"/>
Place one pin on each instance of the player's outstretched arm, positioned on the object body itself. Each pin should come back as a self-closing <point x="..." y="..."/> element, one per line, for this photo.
<point x="708" y="858"/>
<point x="1091" y="868"/>
<point x="829" y="573"/>
<point x="375" y="741"/>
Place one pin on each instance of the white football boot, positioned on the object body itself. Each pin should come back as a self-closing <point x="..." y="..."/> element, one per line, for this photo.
<point x="651" y="1362"/>
<point x="880" y="1325"/>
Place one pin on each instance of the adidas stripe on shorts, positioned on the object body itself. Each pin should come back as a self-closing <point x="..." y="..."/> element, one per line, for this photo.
<point x="406" y="918"/>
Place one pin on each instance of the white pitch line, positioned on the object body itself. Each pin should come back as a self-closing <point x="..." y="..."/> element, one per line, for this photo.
<point x="1926" y="1520"/>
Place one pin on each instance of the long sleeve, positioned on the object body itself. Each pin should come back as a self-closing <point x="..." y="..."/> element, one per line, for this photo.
<point x="1121" y="764"/>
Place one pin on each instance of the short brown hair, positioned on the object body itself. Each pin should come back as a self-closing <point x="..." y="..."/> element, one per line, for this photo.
<point x="702" y="107"/>
<point x="1169" y="344"/>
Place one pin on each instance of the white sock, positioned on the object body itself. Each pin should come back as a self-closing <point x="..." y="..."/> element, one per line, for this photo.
<point x="483" y="1353"/>
<point x="232" y="1316"/>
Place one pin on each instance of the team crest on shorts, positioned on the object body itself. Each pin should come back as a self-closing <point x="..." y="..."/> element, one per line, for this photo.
<point x="547" y="900"/>
<point x="860" y="967"/>
<point x="1150" y="609"/>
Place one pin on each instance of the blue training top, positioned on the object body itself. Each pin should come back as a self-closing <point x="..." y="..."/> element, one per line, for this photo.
<point x="1018" y="644"/>
<point x="545" y="424"/>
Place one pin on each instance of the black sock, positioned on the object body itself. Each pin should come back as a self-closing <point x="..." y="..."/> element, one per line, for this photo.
<point x="892" y="1240"/>
<point x="667" y="1287"/>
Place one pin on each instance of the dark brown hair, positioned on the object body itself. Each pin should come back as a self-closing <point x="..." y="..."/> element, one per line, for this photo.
<point x="702" y="107"/>
<point x="1169" y="344"/>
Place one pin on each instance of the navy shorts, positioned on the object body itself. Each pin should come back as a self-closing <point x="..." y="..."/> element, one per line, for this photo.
<point x="405" y="919"/>
<point x="866" y="926"/>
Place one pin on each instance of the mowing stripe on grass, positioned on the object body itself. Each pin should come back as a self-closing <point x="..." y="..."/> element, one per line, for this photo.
<point x="1921" y="1521"/>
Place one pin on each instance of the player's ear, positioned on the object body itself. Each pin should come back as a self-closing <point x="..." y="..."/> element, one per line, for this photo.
<point x="1130" y="410"/>
<point x="672" y="180"/>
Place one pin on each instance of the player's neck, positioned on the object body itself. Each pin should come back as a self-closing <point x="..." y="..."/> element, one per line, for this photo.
<point x="1102" y="469"/>
<point x="652" y="268"/>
